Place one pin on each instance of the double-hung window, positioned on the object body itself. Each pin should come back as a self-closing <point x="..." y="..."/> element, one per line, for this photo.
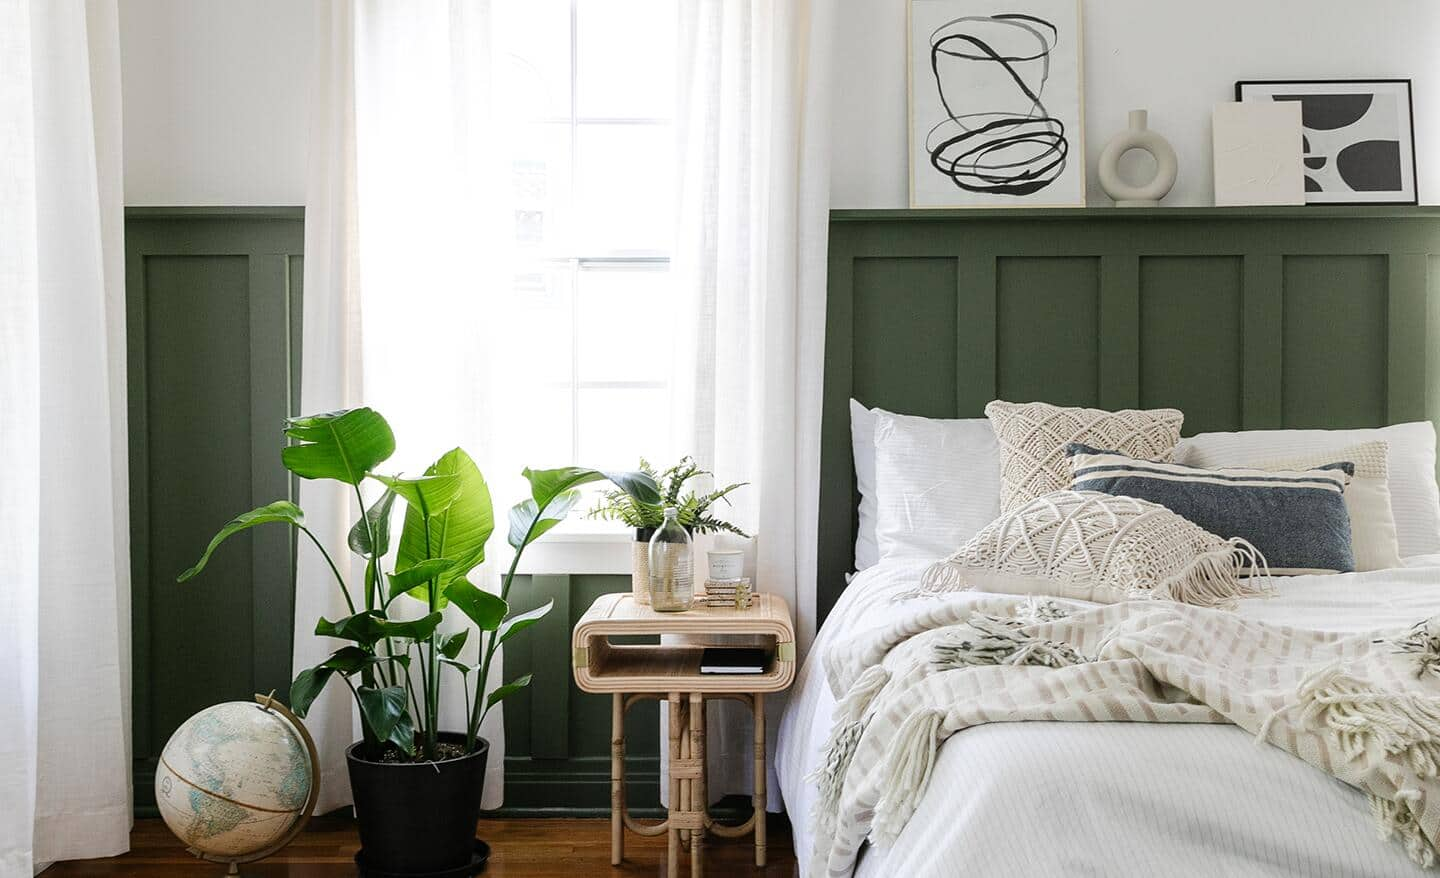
<point x="587" y="90"/>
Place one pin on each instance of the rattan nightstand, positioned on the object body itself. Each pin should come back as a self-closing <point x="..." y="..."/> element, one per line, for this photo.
<point x="631" y="673"/>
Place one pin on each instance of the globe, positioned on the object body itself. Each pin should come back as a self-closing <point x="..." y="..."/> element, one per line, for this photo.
<point x="234" y="780"/>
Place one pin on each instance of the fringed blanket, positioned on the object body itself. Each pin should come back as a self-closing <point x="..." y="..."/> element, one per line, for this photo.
<point x="1365" y="709"/>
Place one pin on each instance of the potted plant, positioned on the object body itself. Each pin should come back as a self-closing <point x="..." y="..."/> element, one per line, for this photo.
<point x="416" y="787"/>
<point x="646" y="515"/>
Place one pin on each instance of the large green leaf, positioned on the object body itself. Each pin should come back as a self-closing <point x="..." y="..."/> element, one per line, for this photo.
<point x="517" y="623"/>
<point x="429" y="495"/>
<point x="552" y="495"/>
<point x="280" y="510"/>
<point x="376" y="521"/>
<point x="524" y="527"/>
<point x="371" y="626"/>
<point x="382" y="709"/>
<point x="503" y="692"/>
<point x="343" y="445"/>
<point x="459" y="532"/>
<point x="484" y="609"/>
<point x="403" y="735"/>
<point x="546" y="484"/>
<point x="307" y="687"/>
<point x="451" y="644"/>
<point x="402" y="581"/>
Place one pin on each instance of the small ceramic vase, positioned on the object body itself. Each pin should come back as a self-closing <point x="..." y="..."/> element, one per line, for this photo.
<point x="1138" y="136"/>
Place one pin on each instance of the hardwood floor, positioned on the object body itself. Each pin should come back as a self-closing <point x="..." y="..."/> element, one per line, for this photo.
<point x="530" y="848"/>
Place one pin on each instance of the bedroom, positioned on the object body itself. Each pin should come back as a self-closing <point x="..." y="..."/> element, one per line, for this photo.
<point x="1030" y="454"/>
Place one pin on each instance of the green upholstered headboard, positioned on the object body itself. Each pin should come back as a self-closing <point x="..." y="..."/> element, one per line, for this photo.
<point x="1244" y="318"/>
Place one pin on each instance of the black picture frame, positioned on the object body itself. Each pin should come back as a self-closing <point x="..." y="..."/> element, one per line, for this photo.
<point x="1240" y="86"/>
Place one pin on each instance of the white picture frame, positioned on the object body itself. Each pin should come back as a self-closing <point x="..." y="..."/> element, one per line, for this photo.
<point x="996" y="103"/>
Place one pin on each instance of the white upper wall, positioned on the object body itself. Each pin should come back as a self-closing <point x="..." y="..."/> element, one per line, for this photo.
<point x="216" y="91"/>
<point x="1176" y="58"/>
<point x="215" y="95"/>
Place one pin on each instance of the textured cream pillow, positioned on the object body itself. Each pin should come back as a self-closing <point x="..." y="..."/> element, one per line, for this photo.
<point x="1367" y="498"/>
<point x="1033" y="437"/>
<point x="1097" y="547"/>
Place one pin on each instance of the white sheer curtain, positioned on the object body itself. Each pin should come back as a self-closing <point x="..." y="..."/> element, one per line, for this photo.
<point x="64" y="608"/>
<point x="407" y="305"/>
<point x="749" y="262"/>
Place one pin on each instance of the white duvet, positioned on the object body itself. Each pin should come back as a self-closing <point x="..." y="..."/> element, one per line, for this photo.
<point x="1078" y="799"/>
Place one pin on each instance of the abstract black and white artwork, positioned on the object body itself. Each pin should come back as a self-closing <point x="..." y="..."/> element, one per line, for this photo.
<point x="995" y="104"/>
<point x="1358" y="144"/>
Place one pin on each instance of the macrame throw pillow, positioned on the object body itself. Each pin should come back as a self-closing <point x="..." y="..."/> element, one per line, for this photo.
<point x="1096" y="547"/>
<point x="1033" y="437"/>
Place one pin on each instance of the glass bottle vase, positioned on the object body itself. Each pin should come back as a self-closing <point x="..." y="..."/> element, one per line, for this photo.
<point x="672" y="566"/>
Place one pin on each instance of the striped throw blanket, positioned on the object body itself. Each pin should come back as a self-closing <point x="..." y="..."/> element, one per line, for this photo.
<point x="1365" y="709"/>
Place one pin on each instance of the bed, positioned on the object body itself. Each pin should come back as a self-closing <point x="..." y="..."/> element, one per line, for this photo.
<point x="1113" y="311"/>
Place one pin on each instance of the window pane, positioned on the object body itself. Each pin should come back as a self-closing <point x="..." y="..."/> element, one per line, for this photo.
<point x="624" y="181"/>
<point x="618" y="427"/>
<point x="540" y="188"/>
<point x="625" y="317"/>
<point x="533" y="63"/>
<point x="625" y="58"/>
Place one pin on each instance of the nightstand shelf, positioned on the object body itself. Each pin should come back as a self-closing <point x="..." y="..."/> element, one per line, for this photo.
<point x="633" y="672"/>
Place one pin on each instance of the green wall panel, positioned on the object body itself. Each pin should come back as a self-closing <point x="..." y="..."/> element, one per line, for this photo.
<point x="213" y="370"/>
<point x="1047" y="328"/>
<point x="1191" y="308"/>
<point x="1335" y="344"/>
<point x="1245" y="318"/>
<point x="904" y="320"/>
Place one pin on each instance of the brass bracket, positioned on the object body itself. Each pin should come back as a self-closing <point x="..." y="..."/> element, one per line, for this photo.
<point x="580" y="657"/>
<point x="785" y="651"/>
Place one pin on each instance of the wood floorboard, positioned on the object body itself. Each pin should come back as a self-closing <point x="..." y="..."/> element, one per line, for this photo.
<point x="533" y="848"/>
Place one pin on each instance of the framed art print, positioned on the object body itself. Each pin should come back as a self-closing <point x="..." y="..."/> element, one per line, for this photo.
<point x="995" y="104"/>
<point x="1358" y="139"/>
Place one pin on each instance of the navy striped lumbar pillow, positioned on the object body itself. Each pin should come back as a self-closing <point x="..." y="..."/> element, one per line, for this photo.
<point x="1296" y="519"/>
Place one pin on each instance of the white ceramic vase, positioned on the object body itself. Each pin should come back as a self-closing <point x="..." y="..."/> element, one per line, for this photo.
<point x="1138" y="136"/>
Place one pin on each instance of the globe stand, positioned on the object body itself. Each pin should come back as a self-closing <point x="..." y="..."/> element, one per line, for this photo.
<point x="268" y="702"/>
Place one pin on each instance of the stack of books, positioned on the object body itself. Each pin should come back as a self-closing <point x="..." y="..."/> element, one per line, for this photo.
<point x="731" y="593"/>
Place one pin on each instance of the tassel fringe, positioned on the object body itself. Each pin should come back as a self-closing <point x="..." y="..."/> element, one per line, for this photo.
<point x="1397" y="819"/>
<point x="998" y="641"/>
<point x="1366" y="722"/>
<point x="1213" y="579"/>
<point x="839" y="748"/>
<point x="907" y="772"/>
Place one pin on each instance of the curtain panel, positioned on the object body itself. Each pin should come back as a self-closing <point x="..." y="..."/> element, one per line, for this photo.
<point x="64" y="529"/>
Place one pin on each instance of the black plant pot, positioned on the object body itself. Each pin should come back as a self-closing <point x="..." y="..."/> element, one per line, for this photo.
<point x="418" y="818"/>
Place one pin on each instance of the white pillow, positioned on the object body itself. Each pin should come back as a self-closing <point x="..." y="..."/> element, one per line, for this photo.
<point x="1414" y="498"/>
<point x="862" y="447"/>
<point x="937" y="483"/>
<point x="1367" y="499"/>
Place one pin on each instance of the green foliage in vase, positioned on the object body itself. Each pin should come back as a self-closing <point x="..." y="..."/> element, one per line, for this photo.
<point x="392" y="661"/>
<point x="696" y="511"/>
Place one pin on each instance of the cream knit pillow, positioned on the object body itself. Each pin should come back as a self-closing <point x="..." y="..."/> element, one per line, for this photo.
<point x="1097" y="547"/>
<point x="1033" y="437"/>
<point x="1373" y="536"/>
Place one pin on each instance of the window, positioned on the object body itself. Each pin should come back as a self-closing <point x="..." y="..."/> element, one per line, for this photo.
<point x="588" y="89"/>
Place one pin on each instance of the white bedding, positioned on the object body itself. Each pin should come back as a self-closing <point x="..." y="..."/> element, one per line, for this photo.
<point x="1073" y="799"/>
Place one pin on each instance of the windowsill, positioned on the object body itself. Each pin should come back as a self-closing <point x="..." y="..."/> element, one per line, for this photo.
<point x="580" y="550"/>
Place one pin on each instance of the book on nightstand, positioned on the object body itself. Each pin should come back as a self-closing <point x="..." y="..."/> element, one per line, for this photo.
<point x="732" y="660"/>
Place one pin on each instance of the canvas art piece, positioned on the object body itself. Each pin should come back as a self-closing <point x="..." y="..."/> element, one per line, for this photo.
<point x="1257" y="153"/>
<point x="995" y="104"/>
<point x="1357" y="144"/>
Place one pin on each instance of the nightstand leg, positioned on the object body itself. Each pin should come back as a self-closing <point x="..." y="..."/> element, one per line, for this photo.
<point x="617" y="779"/>
<point x="672" y="859"/>
<point x="698" y="802"/>
<point x="758" y="798"/>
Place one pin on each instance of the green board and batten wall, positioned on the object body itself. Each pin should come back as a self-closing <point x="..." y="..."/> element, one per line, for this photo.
<point x="214" y="320"/>
<point x="1244" y="318"/>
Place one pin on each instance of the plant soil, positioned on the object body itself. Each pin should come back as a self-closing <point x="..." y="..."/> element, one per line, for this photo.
<point x="444" y="750"/>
